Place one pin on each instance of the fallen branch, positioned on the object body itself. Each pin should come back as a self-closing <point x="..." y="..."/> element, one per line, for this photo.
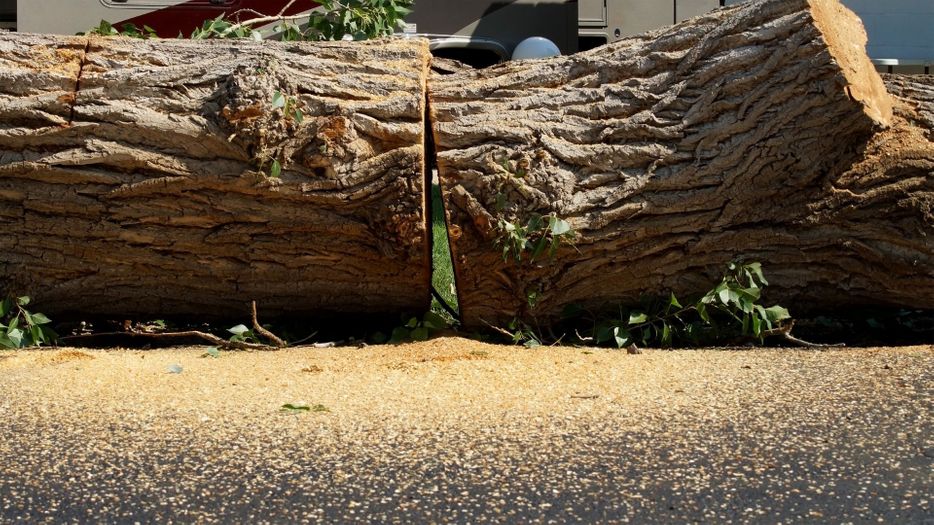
<point x="211" y="338"/>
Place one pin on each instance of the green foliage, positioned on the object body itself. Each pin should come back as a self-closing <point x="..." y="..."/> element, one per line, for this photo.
<point x="221" y="28"/>
<point x="105" y="28"/>
<point x="289" y="106"/>
<point x="242" y="334"/>
<point x="442" y="270"/>
<point x="19" y="328"/>
<point x="292" y="115"/>
<point x="540" y="234"/>
<point x="358" y="19"/>
<point x="334" y="20"/>
<point x="414" y="329"/>
<point x="523" y="334"/>
<point x="729" y="312"/>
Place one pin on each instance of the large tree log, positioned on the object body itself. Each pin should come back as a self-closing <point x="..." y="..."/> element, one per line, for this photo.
<point x="131" y="179"/>
<point x="759" y="131"/>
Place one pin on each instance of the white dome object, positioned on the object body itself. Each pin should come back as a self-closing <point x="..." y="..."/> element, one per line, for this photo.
<point x="535" y="47"/>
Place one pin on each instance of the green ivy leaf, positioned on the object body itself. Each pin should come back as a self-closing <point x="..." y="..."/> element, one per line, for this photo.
<point x="666" y="334"/>
<point x="278" y="100"/>
<point x="238" y="330"/>
<point x="559" y="226"/>
<point x="40" y="319"/>
<point x="5" y="307"/>
<point x="756" y="270"/>
<point x="434" y="321"/>
<point x="50" y="335"/>
<point x="15" y="336"/>
<point x="777" y="313"/>
<point x="637" y="317"/>
<point x="400" y="334"/>
<point x="603" y="333"/>
<point x="420" y="334"/>
<point x="673" y="302"/>
<point x="275" y="170"/>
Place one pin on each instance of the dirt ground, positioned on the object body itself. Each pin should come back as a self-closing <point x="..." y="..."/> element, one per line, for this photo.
<point x="446" y="378"/>
<point x="425" y="431"/>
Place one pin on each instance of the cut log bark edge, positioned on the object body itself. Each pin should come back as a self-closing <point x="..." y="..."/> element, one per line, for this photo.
<point x="846" y="38"/>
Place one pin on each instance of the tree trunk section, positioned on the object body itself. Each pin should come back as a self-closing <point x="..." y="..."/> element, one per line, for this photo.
<point x="759" y="132"/>
<point x="135" y="176"/>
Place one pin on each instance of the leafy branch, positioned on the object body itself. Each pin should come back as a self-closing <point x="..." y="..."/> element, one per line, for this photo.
<point x="728" y="313"/>
<point x="414" y="329"/>
<point x="20" y="328"/>
<point x="540" y="234"/>
<point x="105" y="28"/>
<point x="334" y="20"/>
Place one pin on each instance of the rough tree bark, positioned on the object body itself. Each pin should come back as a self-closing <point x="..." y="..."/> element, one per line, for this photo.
<point x="134" y="176"/>
<point x="759" y="131"/>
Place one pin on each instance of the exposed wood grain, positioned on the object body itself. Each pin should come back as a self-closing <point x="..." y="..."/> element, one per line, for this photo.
<point x="759" y="131"/>
<point x="141" y="195"/>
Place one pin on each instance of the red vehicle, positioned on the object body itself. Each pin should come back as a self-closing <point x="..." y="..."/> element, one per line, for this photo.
<point x="901" y="32"/>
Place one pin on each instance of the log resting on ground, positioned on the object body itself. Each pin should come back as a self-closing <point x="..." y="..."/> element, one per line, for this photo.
<point x="759" y="131"/>
<point x="134" y="176"/>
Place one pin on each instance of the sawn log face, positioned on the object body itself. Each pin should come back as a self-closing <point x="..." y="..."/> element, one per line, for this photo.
<point x="759" y="131"/>
<point x="134" y="176"/>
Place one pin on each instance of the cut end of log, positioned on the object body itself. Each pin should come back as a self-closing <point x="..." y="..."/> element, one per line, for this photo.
<point x="846" y="38"/>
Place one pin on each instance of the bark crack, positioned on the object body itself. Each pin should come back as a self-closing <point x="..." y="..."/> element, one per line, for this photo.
<point x="74" y="98"/>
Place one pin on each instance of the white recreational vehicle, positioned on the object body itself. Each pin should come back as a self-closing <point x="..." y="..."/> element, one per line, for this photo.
<point x="901" y="32"/>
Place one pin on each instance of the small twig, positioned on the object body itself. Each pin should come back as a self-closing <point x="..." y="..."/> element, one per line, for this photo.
<point x="266" y="333"/>
<point x="330" y="344"/>
<point x="236" y="14"/>
<point x="303" y="341"/>
<point x="498" y="329"/>
<point x="266" y="19"/>
<point x="785" y="333"/>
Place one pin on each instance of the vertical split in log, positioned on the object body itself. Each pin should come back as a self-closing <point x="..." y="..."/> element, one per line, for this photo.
<point x="673" y="152"/>
<point x="156" y="197"/>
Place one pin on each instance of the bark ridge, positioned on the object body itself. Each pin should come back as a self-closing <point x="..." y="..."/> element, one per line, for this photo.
<point x="759" y="131"/>
<point x="130" y="178"/>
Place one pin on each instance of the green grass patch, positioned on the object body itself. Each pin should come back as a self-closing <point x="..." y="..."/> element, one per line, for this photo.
<point x="442" y="277"/>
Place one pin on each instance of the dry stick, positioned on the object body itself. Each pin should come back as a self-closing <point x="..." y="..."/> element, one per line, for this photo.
<point x="266" y="333"/>
<point x="213" y="339"/>
<point x="266" y="19"/>
<point x="498" y="329"/>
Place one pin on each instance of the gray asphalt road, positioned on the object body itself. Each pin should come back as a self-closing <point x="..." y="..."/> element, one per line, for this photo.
<point x="456" y="432"/>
